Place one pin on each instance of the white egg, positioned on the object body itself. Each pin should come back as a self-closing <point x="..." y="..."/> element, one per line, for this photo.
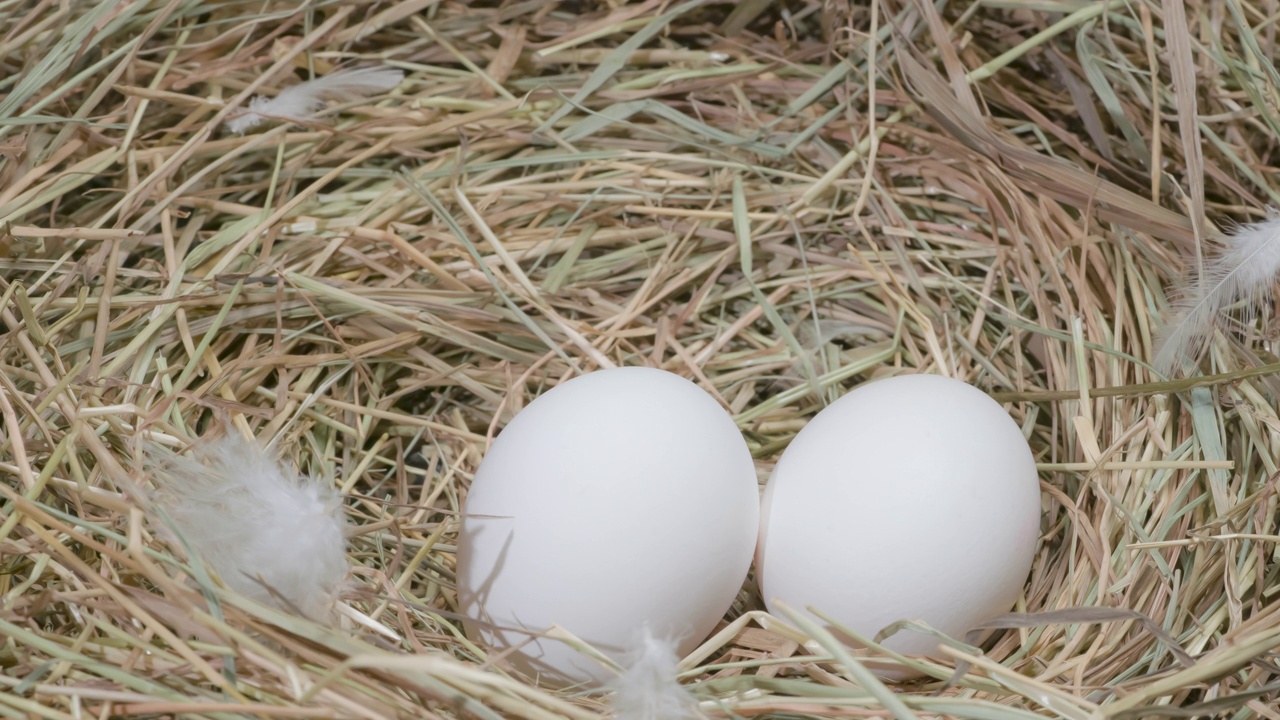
<point x="914" y="497"/>
<point x="619" y="498"/>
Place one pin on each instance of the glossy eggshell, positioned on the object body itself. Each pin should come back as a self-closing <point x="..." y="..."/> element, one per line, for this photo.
<point x="913" y="497"/>
<point x="621" y="497"/>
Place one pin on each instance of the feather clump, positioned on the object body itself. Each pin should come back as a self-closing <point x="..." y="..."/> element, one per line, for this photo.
<point x="649" y="688"/>
<point x="1243" y="271"/>
<point x="269" y="533"/>
<point x="301" y="102"/>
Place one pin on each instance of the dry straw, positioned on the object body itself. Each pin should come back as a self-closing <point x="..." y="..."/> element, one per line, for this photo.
<point x="778" y="201"/>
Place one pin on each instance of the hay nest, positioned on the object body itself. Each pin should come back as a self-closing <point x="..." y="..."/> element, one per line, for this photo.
<point x="777" y="200"/>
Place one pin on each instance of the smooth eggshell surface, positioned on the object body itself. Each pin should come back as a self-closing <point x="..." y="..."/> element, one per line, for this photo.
<point x="913" y="497"/>
<point x="621" y="497"/>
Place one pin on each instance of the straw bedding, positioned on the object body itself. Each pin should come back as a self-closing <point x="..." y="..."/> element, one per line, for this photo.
<point x="776" y="200"/>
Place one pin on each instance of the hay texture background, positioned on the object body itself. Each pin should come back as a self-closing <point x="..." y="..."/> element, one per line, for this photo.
<point x="776" y="200"/>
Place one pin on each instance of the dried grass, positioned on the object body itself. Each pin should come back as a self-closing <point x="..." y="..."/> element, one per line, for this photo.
<point x="1001" y="192"/>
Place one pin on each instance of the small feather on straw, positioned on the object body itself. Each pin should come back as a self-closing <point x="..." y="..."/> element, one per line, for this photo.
<point x="1243" y="271"/>
<point x="649" y="688"/>
<point x="301" y="102"/>
<point x="269" y="533"/>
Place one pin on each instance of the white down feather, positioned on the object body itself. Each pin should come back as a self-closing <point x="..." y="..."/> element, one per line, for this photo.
<point x="1243" y="271"/>
<point x="649" y="688"/>
<point x="269" y="533"/>
<point x="301" y="102"/>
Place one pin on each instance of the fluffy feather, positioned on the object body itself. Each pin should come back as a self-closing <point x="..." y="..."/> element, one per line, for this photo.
<point x="1243" y="271"/>
<point x="300" y="102"/>
<point x="268" y="533"/>
<point x="648" y="688"/>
